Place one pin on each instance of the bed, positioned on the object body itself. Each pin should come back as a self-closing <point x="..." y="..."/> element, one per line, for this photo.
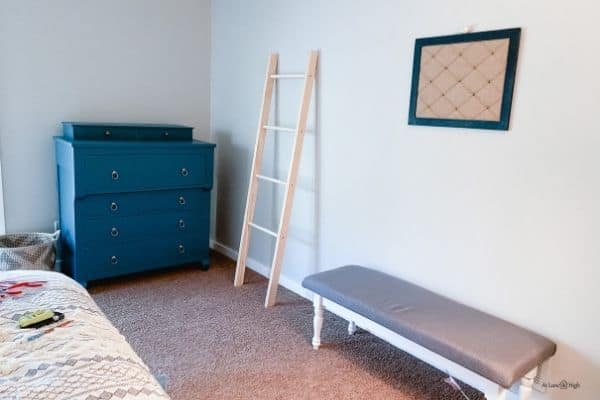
<point x="82" y="357"/>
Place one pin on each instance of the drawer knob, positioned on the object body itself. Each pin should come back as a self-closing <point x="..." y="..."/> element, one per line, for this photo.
<point x="115" y="175"/>
<point x="166" y="134"/>
<point x="107" y="133"/>
<point x="181" y="249"/>
<point x="114" y="260"/>
<point x="114" y="206"/>
<point x="184" y="172"/>
<point x="181" y="200"/>
<point x="181" y="224"/>
<point x="114" y="232"/>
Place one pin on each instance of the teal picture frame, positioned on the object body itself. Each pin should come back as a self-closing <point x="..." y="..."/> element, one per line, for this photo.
<point x="513" y="35"/>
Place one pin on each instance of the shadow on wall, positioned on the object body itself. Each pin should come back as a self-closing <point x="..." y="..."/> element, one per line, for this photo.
<point x="304" y="231"/>
<point x="229" y="189"/>
<point x="569" y="375"/>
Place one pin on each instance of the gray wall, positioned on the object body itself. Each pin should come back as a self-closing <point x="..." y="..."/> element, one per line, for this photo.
<point x="506" y="222"/>
<point x="109" y="60"/>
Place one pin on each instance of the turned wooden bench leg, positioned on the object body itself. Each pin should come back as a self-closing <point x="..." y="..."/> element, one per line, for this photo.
<point x="317" y="321"/>
<point x="525" y="388"/>
<point x="351" y="328"/>
<point x="527" y="384"/>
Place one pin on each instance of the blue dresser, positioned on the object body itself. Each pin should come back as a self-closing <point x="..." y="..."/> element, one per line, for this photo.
<point x="132" y="198"/>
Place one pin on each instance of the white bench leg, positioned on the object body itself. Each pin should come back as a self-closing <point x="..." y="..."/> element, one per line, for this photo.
<point x="527" y="384"/>
<point x="351" y="328"/>
<point x="317" y="321"/>
<point x="499" y="394"/>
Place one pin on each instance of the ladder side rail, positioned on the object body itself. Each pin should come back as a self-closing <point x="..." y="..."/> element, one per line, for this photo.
<point x="256" y="166"/>
<point x="291" y="181"/>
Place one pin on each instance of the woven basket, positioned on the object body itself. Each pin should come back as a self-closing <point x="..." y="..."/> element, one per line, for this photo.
<point x="28" y="251"/>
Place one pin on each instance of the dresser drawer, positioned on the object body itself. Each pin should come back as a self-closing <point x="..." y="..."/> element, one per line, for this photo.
<point x="116" y="230"/>
<point x="99" y="173"/>
<point x="110" y="131"/>
<point x="143" y="203"/>
<point x="101" y="261"/>
<point x="104" y="173"/>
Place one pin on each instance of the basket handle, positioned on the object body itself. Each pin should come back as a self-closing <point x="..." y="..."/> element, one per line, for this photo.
<point x="55" y="235"/>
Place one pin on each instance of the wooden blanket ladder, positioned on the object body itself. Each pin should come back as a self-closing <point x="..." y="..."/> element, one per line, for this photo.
<point x="289" y="186"/>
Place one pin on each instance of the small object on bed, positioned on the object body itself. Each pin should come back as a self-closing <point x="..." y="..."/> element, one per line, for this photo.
<point x="63" y="324"/>
<point x="39" y="318"/>
<point x="13" y="288"/>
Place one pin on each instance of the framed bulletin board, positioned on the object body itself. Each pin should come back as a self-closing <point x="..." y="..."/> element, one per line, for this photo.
<point x="464" y="80"/>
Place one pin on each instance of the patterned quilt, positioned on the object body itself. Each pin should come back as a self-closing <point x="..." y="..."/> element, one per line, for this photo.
<point x="83" y="357"/>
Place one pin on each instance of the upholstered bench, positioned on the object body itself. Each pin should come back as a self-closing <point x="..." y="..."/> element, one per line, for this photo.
<point x="486" y="352"/>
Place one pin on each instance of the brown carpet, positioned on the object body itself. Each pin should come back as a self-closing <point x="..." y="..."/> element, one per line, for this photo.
<point x="204" y="339"/>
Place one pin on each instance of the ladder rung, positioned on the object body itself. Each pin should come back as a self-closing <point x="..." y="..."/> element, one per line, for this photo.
<point x="266" y="178"/>
<point x="265" y="230"/>
<point x="288" y="76"/>
<point x="278" y="128"/>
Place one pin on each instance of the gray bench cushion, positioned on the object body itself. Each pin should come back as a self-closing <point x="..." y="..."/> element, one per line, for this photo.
<point x="489" y="346"/>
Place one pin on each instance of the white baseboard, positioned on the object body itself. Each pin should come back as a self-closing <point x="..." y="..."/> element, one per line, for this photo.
<point x="262" y="269"/>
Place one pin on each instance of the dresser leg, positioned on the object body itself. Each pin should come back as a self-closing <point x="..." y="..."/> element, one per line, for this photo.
<point x="205" y="264"/>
